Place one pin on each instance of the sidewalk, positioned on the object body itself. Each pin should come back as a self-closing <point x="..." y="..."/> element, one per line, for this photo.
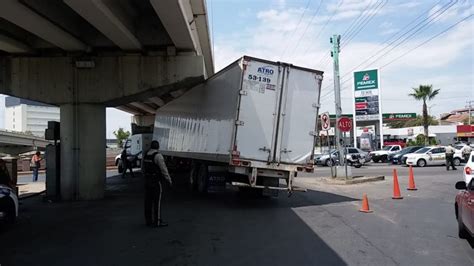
<point x="43" y="171"/>
<point x="28" y="189"/>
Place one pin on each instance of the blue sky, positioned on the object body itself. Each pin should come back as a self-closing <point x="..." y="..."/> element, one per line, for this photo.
<point x="288" y="31"/>
<point x="298" y="31"/>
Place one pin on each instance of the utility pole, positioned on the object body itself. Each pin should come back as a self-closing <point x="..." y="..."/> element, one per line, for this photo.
<point x="336" y="40"/>
<point x="470" y="107"/>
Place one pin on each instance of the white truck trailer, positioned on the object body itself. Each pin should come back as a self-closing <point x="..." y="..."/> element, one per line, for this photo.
<point x="251" y="125"/>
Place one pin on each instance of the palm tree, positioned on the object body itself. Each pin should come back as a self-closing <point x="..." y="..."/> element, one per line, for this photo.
<point x="425" y="93"/>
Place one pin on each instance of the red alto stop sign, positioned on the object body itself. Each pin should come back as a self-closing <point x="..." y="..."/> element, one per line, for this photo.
<point x="344" y="124"/>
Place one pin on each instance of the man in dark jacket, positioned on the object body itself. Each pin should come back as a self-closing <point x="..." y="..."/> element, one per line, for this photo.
<point x="127" y="164"/>
<point x="155" y="171"/>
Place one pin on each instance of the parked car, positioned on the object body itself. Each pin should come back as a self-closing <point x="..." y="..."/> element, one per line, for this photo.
<point x="399" y="158"/>
<point x="464" y="208"/>
<point x="328" y="159"/>
<point x="432" y="155"/>
<point x="459" y="151"/>
<point x="469" y="169"/>
<point x="8" y="204"/>
<point x="382" y="155"/>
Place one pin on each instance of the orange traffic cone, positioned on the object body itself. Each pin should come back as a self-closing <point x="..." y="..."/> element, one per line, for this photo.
<point x="365" y="204"/>
<point x="411" y="180"/>
<point x="396" y="187"/>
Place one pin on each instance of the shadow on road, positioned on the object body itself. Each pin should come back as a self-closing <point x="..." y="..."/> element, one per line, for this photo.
<point x="221" y="229"/>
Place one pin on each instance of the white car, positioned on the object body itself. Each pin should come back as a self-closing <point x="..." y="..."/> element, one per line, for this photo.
<point x="8" y="204"/>
<point x="469" y="169"/>
<point x="433" y="155"/>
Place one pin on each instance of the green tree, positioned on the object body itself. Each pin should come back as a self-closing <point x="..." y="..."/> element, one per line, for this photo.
<point x="418" y="121"/>
<point x="424" y="93"/>
<point x="121" y="135"/>
<point x="465" y="121"/>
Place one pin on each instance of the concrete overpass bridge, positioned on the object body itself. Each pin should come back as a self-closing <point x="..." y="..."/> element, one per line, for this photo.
<point x="86" y="55"/>
<point x="14" y="143"/>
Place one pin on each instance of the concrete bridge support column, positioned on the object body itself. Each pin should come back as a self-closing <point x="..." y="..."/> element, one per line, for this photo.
<point x="82" y="151"/>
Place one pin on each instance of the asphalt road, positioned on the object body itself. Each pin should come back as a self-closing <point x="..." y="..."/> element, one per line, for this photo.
<point x="320" y="227"/>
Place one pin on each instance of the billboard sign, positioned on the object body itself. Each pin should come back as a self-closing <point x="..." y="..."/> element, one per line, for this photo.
<point x="366" y="94"/>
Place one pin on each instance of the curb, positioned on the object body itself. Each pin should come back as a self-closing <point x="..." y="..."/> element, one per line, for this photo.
<point x="337" y="181"/>
<point x="355" y="180"/>
<point x="31" y="195"/>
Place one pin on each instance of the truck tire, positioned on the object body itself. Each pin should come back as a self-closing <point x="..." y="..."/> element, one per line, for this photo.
<point x="202" y="179"/>
<point x="456" y="161"/>
<point x="119" y="166"/>
<point x="193" y="184"/>
<point x="421" y="163"/>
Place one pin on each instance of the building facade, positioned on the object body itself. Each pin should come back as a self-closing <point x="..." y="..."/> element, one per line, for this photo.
<point x="28" y="116"/>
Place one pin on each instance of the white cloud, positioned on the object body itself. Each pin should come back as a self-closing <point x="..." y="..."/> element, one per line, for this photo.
<point x="268" y="38"/>
<point x="458" y="10"/>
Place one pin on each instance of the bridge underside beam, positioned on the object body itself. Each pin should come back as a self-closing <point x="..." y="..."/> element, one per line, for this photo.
<point x="107" y="80"/>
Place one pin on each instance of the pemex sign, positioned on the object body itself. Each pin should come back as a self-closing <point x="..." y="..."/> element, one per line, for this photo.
<point x="366" y="95"/>
<point x="366" y="80"/>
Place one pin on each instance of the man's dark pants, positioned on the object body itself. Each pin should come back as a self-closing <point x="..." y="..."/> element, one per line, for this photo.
<point x="153" y="191"/>
<point x="450" y="161"/>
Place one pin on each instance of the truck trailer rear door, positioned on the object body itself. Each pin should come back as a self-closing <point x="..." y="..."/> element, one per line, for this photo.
<point x="298" y="116"/>
<point x="258" y="106"/>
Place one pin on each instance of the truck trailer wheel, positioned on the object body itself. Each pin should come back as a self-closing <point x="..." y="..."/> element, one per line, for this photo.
<point x="202" y="179"/>
<point x="119" y="166"/>
<point x="193" y="173"/>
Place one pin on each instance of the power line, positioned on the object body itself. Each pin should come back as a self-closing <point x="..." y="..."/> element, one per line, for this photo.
<point x="297" y="25"/>
<point x="324" y="26"/>
<point x="365" y="22"/>
<point x="327" y="58"/>
<point x="307" y="26"/>
<point x="425" y="42"/>
<point x="423" y="26"/>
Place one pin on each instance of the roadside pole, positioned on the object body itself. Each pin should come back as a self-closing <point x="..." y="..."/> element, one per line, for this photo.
<point x="345" y="155"/>
<point x="335" y="40"/>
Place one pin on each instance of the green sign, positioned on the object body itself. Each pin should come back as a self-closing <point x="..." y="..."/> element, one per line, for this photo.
<point x="366" y="80"/>
<point x="399" y="116"/>
<point x="342" y="115"/>
<point x="387" y="116"/>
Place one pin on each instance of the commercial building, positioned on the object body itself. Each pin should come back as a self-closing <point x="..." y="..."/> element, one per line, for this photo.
<point x="28" y="116"/>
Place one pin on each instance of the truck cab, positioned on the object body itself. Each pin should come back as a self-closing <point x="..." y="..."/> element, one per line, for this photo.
<point x="134" y="146"/>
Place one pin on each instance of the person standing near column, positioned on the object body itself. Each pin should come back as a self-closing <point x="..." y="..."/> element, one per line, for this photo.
<point x="466" y="152"/>
<point x="450" y="157"/>
<point x="155" y="170"/>
<point x="35" y="165"/>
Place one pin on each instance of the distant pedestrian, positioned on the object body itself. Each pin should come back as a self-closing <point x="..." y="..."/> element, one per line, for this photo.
<point x="466" y="152"/>
<point x="450" y="157"/>
<point x="127" y="163"/>
<point x="155" y="171"/>
<point x="35" y="165"/>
